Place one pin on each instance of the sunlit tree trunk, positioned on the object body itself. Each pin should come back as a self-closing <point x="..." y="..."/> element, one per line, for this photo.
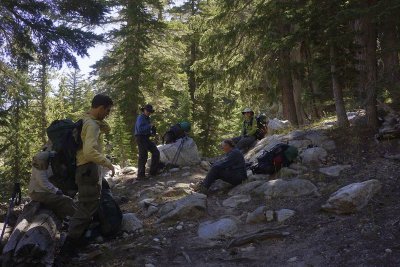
<point x="337" y="90"/>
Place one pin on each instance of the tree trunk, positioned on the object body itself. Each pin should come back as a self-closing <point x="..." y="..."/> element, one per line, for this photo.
<point x="312" y="84"/>
<point x="285" y="82"/>
<point x="192" y="83"/>
<point x="297" y="84"/>
<point x="390" y="57"/>
<point x="337" y="91"/>
<point x="366" y="39"/>
<point x="34" y="239"/>
<point x="43" y="98"/>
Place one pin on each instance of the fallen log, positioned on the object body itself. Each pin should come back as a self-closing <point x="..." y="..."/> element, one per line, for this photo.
<point x="34" y="239"/>
<point x="257" y="236"/>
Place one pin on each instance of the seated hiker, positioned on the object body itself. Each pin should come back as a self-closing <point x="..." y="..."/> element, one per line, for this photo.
<point x="176" y="132"/>
<point x="249" y="130"/>
<point x="231" y="169"/>
<point x="43" y="191"/>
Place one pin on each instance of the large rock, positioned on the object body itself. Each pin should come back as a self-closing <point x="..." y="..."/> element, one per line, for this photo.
<point x="257" y="216"/>
<point x="352" y="197"/>
<point x="300" y="144"/>
<point x="287" y="188"/>
<point x="314" y="156"/>
<point x="189" y="207"/>
<point x="334" y="170"/>
<point x="224" y="227"/>
<point x="245" y="188"/>
<point x="188" y="153"/>
<point x="278" y="125"/>
<point x="235" y="201"/>
<point x="130" y="223"/>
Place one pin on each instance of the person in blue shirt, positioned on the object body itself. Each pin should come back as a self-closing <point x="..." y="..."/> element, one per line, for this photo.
<point x="231" y="168"/>
<point x="143" y="130"/>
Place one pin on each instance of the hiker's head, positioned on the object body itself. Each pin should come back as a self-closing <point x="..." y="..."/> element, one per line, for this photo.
<point x="248" y="112"/>
<point x="101" y="106"/>
<point x="147" y="110"/>
<point x="227" y="145"/>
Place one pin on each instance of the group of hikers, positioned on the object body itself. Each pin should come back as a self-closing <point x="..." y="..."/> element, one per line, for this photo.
<point x="91" y="163"/>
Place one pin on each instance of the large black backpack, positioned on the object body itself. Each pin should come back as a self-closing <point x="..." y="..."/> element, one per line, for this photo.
<point x="65" y="136"/>
<point x="109" y="213"/>
<point x="174" y="133"/>
<point x="272" y="160"/>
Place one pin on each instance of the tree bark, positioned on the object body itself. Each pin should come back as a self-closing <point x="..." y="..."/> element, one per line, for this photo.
<point x="34" y="239"/>
<point x="337" y="91"/>
<point x="297" y="84"/>
<point x="366" y="39"/>
<point x="286" y="84"/>
<point x="43" y="98"/>
<point x="390" y="57"/>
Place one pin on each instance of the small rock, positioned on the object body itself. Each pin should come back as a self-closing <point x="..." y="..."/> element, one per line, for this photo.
<point x="234" y="201"/>
<point x="205" y="165"/>
<point x="170" y="228"/>
<point x="179" y="227"/>
<point x="334" y="170"/>
<point x="125" y="235"/>
<point x="287" y="188"/>
<point x="257" y="216"/>
<point x="149" y="265"/>
<point x="284" y="214"/>
<point x="220" y="186"/>
<point x="257" y="177"/>
<point x="388" y="250"/>
<point x="99" y="239"/>
<point x="352" y="197"/>
<point x="287" y="172"/>
<point x="192" y="206"/>
<point x="217" y="229"/>
<point x="156" y="240"/>
<point x="150" y="211"/>
<point x="248" y="249"/>
<point x="174" y="170"/>
<point x="171" y="183"/>
<point x="186" y="174"/>
<point x="269" y="214"/>
<point x="294" y="259"/>
<point x="129" y="170"/>
<point x="314" y="156"/>
<point x="130" y="223"/>
<point x="186" y="168"/>
<point x="245" y="188"/>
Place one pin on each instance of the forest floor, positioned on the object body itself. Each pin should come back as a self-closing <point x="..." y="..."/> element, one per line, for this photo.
<point x="369" y="237"/>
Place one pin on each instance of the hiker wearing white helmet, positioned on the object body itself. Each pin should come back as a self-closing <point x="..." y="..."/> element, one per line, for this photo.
<point x="249" y="130"/>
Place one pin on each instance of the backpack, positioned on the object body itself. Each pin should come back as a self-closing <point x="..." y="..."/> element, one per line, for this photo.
<point x="174" y="133"/>
<point x="109" y="213"/>
<point x="273" y="160"/>
<point x="261" y="120"/>
<point x="65" y="136"/>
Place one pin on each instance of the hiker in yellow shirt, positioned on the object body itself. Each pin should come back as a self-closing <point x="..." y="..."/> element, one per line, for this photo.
<point x="88" y="174"/>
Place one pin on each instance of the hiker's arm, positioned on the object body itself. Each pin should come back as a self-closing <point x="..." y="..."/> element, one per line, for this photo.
<point x="225" y="163"/>
<point x="42" y="178"/>
<point x="89" y="147"/>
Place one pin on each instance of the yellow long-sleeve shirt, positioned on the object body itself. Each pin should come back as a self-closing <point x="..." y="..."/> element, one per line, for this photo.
<point x="92" y="149"/>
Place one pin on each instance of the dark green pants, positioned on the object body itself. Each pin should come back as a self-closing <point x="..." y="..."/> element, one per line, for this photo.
<point x="89" y="188"/>
<point x="61" y="205"/>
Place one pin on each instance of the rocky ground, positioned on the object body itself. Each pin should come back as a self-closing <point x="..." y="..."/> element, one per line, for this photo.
<point x="303" y="221"/>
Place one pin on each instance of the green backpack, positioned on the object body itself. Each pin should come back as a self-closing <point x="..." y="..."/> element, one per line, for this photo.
<point x="65" y="136"/>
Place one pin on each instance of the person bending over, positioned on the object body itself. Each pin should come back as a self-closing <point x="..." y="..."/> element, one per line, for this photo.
<point x="43" y="191"/>
<point x="231" y="169"/>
